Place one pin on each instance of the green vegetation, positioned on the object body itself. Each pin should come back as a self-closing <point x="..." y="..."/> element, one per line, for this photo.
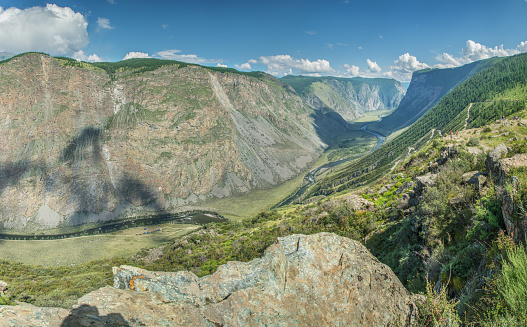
<point x="504" y="75"/>
<point x="428" y="88"/>
<point x="79" y="250"/>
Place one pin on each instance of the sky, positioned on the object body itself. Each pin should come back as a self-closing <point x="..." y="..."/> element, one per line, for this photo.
<point x="346" y="38"/>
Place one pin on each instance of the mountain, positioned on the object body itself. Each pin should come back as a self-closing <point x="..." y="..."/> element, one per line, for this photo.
<point x="486" y="96"/>
<point x="94" y="142"/>
<point x="426" y="89"/>
<point x="349" y="97"/>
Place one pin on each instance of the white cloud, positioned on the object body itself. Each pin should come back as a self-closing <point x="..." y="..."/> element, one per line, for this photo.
<point x="190" y="58"/>
<point x="281" y="65"/>
<point x="104" y="23"/>
<point x="381" y="37"/>
<point x="52" y="29"/>
<point x="474" y="51"/>
<point x="131" y="55"/>
<point x="315" y="32"/>
<point x="111" y="2"/>
<point x="373" y="66"/>
<point x="222" y="65"/>
<point x="164" y="26"/>
<point x="245" y="66"/>
<point x="351" y="70"/>
<point x="360" y="48"/>
<point x="81" y="56"/>
<point x="404" y="67"/>
<point x="253" y="61"/>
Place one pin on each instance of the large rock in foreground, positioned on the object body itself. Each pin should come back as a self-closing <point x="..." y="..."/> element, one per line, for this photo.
<point x="316" y="280"/>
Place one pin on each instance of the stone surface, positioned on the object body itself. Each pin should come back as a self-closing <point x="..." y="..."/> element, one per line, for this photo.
<point x="422" y="182"/>
<point x="475" y="178"/>
<point x="315" y="280"/>
<point x="492" y="162"/>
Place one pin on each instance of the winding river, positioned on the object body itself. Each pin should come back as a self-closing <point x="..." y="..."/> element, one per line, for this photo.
<point x="196" y="218"/>
<point x="310" y="177"/>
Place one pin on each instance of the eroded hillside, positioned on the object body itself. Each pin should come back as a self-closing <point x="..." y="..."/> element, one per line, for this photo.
<point x="82" y="144"/>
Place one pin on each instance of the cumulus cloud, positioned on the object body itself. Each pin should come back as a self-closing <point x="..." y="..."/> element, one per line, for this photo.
<point x="190" y="58"/>
<point x="404" y="67"/>
<point x="52" y="29"/>
<point x="104" y="23"/>
<point x="131" y="55"/>
<point x="474" y="51"/>
<point x="281" y="65"/>
<point x="81" y="56"/>
<point x="351" y="70"/>
<point x="222" y="65"/>
<point x="245" y="66"/>
<point x="373" y="66"/>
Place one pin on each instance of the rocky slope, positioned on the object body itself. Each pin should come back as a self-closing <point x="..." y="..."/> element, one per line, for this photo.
<point x="349" y="97"/>
<point x="81" y="144"/>
<point x="321" y="279"/>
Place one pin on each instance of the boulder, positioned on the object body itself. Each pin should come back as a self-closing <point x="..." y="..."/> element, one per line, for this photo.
<point x="422" y="182"/>
<point x="316" y="280"/>
<point x="492" y="162"/>
<point x="475" y="178"/>
<point x="3" y="288"/>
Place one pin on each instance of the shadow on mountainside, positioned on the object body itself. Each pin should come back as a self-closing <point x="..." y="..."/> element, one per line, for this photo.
<point x="81" y="177"/>
<point x="87" y="315"/>
<point x="329" y="125"/>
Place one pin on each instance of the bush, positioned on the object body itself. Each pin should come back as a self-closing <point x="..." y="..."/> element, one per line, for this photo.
<point x="512" y="284"/>
<point x="437" y="310"/>
<point x="473" y="141"/>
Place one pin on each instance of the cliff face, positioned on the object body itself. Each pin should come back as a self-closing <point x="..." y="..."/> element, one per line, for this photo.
<point x="349" y="97"/>
<point x="320" y="279"/>
<point x="426" y="89"/>
<point x="79" y="145"/>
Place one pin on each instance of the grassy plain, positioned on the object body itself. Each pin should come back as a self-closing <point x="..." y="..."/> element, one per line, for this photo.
<point x="77" y="250"/>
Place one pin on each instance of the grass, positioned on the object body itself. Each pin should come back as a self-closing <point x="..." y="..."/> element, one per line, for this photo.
<point x="236" y="208"/>
<point x="72" y="251"/>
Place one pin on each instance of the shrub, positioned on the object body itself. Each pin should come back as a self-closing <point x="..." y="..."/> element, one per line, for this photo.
<point x="473" y="141"/>
<point x="512" y="284"/>
<point x="437" y="310"/>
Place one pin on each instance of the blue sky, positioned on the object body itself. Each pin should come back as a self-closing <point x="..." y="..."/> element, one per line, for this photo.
<point x="374" y="38"/>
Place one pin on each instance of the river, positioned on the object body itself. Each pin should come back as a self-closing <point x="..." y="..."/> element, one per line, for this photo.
<point x="310" y="177"/>
<point x="196" y="218"/>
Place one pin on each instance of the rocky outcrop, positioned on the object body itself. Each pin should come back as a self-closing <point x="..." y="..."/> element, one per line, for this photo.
<point x="3" y="288"/>
<point x="315" y="280"/>
<point x="493" y="165"/>
<point x="512" y="209"/>
<point x="475" y="178"/>
<point x="81" y="145"/>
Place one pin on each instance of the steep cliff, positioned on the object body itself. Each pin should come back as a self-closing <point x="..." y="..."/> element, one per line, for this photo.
<point x="426" y="89"/>
<point x="82" y="144"/>
<point x="349" y="97"/>
<point x="301" y="280"/>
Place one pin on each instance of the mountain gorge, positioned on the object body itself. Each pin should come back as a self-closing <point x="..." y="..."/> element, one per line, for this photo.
<point x="82" y="143"/>
<point x="426" y="89"/>
<point x="349" y="97"/>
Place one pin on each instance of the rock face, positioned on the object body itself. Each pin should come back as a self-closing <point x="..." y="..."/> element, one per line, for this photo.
<point x="499" y="168"/>
<point x="80" y="144"/>
<point x="316" y="280"/>
<point x="426" y="89"/>
<point x="349" y="97"/>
